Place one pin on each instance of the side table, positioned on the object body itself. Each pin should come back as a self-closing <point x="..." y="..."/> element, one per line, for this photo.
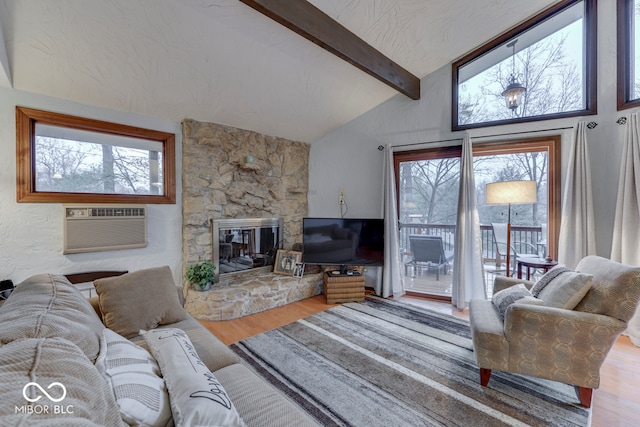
<point x="534" y="263"/>
<point x="343" y="288"/>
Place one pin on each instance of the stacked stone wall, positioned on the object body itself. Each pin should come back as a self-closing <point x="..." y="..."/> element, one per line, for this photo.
<point x="219" y="182"/>
<point x="234" y="173"/>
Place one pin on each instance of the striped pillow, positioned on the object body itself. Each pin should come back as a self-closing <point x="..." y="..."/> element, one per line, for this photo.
<point x="134" y="377"/>
<point x="504" y="298"/>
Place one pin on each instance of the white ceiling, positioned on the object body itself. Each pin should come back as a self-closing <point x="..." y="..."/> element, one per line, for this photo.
<point x="220" y="61"/>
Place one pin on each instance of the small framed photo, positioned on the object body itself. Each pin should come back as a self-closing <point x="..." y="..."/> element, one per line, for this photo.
<point x="286" y="262"/>
<point x="298" y="270"/>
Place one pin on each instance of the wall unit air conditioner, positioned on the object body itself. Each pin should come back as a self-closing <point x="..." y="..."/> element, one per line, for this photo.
<point x="104" y="228"/>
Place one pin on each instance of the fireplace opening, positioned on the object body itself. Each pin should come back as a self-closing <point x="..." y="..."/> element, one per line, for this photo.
<point x="242" y="244"/>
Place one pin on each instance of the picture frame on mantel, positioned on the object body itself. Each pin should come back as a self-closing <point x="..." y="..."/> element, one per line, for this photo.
<point x="298" y="270"/>
<point x="286" y="262"/>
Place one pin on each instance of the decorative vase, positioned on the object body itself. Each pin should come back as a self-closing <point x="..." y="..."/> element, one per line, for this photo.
<point x="202" y="289"/>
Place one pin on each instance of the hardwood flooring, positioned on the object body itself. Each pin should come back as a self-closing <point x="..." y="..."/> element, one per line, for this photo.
<point x="615" y="403"/>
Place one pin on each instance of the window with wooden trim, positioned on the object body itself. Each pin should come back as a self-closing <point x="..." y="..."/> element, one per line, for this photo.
<point x="68" y="159"/>
<point x="628" y="54"/>
<point x="553" y="55"/>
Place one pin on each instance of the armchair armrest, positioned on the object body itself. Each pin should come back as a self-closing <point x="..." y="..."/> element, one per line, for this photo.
<point x="503" y="282"/>
<point x="521" y="320"/>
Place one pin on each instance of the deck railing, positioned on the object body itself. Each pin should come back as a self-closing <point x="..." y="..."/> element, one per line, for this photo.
<point x="521" y="236"/>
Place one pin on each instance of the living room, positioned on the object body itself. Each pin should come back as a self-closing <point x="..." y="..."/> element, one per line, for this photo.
<point x="343" y="153"/>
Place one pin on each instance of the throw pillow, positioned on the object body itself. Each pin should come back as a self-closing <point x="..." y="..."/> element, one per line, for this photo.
<point x="504" y="298"/>
<point x="562" y="288"/>
<point x="134" y="377"/>
<point x="142" y="299"/>
<point x="547" y="278"/>
<point x="197" y="397"/>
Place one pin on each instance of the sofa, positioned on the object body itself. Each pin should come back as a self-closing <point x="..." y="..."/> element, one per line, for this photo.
<point x="560" y="328"/>
<point x="70" y="361"/>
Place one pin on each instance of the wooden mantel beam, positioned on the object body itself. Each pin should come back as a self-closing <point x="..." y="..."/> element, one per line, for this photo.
<point x="310" y="22"/>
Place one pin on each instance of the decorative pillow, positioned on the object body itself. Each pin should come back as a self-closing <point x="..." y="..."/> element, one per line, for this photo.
<point x="562" y="288"/>
<point x="504" y="298"/>
<point x="142" y="299"/>
<point x="547" y="278"/>
<point x="134" y="377"/>
<point x="197" y="397"/>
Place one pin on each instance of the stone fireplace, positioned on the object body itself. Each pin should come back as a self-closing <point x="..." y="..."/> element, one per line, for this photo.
<point x="231" y="173"/>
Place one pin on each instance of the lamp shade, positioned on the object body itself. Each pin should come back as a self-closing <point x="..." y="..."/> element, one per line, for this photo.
<point x="513" y="192"/>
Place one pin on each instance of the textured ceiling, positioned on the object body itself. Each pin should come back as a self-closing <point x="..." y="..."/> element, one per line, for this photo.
<point x="220" y="61"/>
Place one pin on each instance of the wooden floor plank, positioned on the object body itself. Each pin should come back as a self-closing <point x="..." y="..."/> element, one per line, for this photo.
<point x="615" y="403"/>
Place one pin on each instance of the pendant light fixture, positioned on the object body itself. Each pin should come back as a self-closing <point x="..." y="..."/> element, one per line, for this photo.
<point x="514" y="91"/>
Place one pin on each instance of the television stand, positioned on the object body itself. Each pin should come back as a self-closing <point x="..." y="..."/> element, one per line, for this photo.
<point x="346" y="287"/>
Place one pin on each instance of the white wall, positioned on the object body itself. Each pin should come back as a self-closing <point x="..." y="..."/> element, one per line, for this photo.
<point x="31" y="233"/>
<point x="348" y="157"/>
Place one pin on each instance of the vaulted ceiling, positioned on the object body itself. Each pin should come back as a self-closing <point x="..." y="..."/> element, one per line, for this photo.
<point x="221" y="61"/>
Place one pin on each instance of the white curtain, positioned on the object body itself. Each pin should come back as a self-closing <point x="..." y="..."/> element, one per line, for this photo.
<point x="626" y="245"/>
<point x="468" y="270"/>
<point x="392" y="283"/>
<point x="577" y="228"/>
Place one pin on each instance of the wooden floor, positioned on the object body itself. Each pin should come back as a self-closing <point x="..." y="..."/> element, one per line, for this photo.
<point x="615" y="403"/>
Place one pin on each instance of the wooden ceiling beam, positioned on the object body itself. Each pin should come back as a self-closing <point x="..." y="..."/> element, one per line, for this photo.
<point x="310" y="22"/>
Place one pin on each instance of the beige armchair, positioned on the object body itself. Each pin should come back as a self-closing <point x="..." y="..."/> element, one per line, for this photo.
<point x="562" y="345"/>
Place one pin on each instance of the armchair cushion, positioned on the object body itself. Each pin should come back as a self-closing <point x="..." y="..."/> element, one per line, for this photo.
<point x="562" y="288"/>
<point x="514" y="294"/>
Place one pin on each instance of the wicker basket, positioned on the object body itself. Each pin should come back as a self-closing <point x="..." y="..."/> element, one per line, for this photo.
<point x="343" y="288"/>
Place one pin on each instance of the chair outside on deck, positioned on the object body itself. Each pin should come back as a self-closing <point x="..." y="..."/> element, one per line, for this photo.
<point x="428" y="251"/>
<point x="500" y="239"/>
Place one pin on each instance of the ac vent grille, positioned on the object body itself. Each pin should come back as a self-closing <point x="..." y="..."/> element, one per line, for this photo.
<point x="119" y="212"/>
<point x="93" y="229"/>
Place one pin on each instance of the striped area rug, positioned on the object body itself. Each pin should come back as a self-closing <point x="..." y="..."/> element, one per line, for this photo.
<point x="385" y="363"/>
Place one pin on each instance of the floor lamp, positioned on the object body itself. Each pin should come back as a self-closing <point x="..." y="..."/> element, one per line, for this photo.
<point x="510" y="193"/>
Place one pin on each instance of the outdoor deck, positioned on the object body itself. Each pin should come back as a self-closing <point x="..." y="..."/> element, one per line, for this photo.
<point x="424" y="280"/>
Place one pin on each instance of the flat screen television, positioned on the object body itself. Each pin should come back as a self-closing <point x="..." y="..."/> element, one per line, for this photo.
<point x="343" y="241"/>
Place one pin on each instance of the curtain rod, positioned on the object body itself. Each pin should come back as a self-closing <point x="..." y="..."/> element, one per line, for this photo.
<point x="592" y="125"/>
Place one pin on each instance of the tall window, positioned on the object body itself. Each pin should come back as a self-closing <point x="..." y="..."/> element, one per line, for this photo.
<point x="552" y="56"/>
<point x="428" y="184"/>
<point x="628" y="54"/>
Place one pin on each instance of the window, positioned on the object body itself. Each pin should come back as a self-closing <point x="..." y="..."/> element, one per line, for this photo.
<point x="628" y="54"/>
<point x="554" y="59"/>
<point x="428" y="184"/>
<point x="68" y="159"/>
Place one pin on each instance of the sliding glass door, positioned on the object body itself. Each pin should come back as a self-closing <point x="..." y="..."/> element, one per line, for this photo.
<point x="428" y="184"/>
